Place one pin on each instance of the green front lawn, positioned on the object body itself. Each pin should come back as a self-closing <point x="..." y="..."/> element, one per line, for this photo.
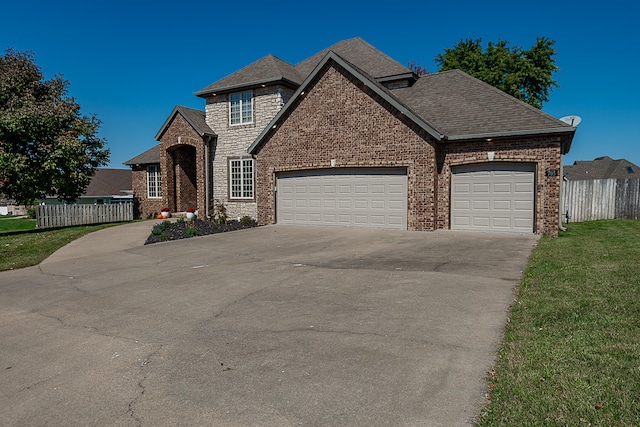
<point x="8" y="223"/>
<point x="571" y="353"/>
<point x="18" y="250"/>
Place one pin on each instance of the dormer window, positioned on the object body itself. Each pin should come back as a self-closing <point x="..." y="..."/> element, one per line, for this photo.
<point x="241" y="108"/>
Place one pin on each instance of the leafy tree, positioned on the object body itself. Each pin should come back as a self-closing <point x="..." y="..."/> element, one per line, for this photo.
<point x="46" y="146"/>
<point x="417" y="68"/>
<point x="524" y="74"/>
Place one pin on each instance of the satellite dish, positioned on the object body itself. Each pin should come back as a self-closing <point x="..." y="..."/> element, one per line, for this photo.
<point x="572" y="120"/>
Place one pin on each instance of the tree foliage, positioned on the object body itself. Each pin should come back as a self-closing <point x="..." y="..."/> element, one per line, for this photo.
<point x="47" y="148"/>
<point x="524" y="74"/>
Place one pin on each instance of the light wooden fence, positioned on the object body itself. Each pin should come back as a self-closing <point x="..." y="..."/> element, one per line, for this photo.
<point x="48" y="216"/>
<point x="588" y="200"/>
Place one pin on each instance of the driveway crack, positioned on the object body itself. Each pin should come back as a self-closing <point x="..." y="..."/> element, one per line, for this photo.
<point x="141" y="386"/>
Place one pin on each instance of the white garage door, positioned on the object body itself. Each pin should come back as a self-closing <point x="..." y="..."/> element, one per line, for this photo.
<point x="496" y="197"/>
<point x="344" y="197"/>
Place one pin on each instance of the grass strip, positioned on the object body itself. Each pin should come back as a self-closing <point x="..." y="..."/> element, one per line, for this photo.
<point x="571" y="351"/>
<point x="19" y="250"/>
<point x="16" y="224"/>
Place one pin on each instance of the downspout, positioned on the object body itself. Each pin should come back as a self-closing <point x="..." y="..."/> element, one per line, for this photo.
<point x="561" y="206"/>
<point x="207" y="178"/>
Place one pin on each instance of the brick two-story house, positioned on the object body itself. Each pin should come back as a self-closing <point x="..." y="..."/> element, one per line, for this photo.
<point x="351" y="137"/>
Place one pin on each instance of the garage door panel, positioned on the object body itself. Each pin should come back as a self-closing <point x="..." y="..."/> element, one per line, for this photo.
<point x="493" y="196"/>
<point x="364" y="197"/>
<point x="480" y="188"/>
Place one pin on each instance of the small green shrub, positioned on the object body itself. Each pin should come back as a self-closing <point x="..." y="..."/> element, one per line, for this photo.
<point x="247" y="221"/>
<point x="31" y="212"/>
<point x="180" y="221"/>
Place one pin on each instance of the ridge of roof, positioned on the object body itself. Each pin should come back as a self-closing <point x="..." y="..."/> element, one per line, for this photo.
<point x="365" y="79"/>
<point x="359" y="53"/>
<point x="266" y="70"/>
<point x="195" y="118"/>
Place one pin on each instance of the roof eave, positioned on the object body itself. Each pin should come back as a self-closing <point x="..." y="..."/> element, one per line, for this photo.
<point x="560" y="130"/>
<point x="205" y="93"/>
<point x="333" y="56"/>
<point x="412" y="76"/>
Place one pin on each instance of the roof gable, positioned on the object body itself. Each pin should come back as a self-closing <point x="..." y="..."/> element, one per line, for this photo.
<point x="463" y="107"/>
<point x="332" y="57"/>
<point x="362" y="55"/>
<point x="267" y="70"/>
<point x="195" y="118"/>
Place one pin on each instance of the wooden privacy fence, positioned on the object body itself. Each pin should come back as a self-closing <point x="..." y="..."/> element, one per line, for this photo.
<point x="588" y="200"/>
<point x="48" y="216"/>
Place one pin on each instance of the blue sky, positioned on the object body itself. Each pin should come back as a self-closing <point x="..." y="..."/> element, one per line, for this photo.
<point x="131" y="62"/>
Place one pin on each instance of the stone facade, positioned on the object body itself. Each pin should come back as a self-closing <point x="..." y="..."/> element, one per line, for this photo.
<point x="234" y="140"/>
<point x="339" y="118"/>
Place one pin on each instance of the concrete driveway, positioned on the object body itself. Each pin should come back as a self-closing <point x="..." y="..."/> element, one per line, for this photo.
<point x="273" y="326"/>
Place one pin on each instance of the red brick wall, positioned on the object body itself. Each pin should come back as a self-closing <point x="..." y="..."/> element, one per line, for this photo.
<point x="544" y="152"/>
<point x="186" y="188"/>
<point x="143" y="207"/>
<point x="339" y="118"/>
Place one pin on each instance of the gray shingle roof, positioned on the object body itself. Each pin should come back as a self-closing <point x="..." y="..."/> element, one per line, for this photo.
<point x="196" y="118"/>
<point x="362" y="55"/>
<point x="461" y="106"/>
<point x="109" y="182"/>
<point x="151" y="156"/>
<point x="601" y="168"/>
<point x="267" y="70"/>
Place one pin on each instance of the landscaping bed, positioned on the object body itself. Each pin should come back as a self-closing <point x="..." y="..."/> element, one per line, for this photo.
<point x="183" y="229"/>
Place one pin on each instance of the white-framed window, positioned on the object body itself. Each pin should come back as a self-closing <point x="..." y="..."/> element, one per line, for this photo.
<point x="241" y="108"/>
<point x="241" y="181"/>
<point x="154" y="182"/>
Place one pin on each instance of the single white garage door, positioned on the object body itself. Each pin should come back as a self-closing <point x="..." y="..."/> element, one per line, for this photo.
<point x="361" y="197"/>
<point x="495" y="197"/>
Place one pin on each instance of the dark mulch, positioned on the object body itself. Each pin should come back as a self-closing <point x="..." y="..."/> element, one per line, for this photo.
<point x="180" y="230"/>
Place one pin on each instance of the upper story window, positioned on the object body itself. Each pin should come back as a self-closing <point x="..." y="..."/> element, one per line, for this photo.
<point x="154" y="182"/>
<point x="241" y="108"/>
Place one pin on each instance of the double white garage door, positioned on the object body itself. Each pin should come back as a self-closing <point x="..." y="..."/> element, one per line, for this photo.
<point x="493" y="196"/>
<point x="345" y="197"/>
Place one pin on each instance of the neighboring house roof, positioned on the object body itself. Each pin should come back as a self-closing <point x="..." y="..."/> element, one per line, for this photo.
<point x="601" y="168"/>
<point x="267" y="70"/>
<point x="196" y="118"/>
<point x="109" y="182"/>
<point x="151" y="156"/>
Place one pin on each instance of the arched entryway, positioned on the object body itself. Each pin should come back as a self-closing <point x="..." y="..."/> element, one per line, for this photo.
<point x="184" y="172"/>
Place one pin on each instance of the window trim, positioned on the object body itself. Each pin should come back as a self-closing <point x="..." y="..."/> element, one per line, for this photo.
<point x="242" y="101"/>
<point x="157" y="181"/>
<point x="242" y="160"/>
